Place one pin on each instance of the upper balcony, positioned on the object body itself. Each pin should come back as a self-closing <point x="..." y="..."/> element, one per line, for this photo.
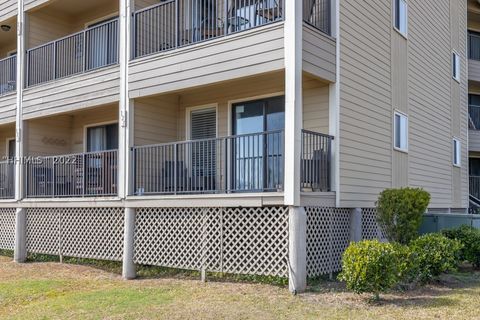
<point x="8" y="70"/>
<point x="178" y="44"/>
<point x="72" y="56"/>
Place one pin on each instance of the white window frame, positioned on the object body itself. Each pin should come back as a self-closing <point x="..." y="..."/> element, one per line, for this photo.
<point x="402" y="134"/>
<point x="98" y="124"/>
<point x="456" y="66"/>
<point x="404" y="20"/>
<point x="456" y="152"/>
<point x="188" y="113"/>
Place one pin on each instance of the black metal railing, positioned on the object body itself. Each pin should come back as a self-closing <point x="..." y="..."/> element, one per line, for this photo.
<point x="176" y="23"/>
<point x="7" y="179"/>
<point x="318" y="14"/>
<point x="316" y="159"/>
<point x="8" y="75"/>
<point x="72" y="175"/>
<point x="473" y="46"/>
<point x="90" y="49"/>
<point x="242" y="163"/>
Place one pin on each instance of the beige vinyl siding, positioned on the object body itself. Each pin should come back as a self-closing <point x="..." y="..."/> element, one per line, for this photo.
<point x="8" y="105"/>
<point x="7" y="132"/>
<point x="474" y="70"/>
<point x="474" y="140"/>
<point x="46" y="25"/>
<point x="107" y="114"/>
<point x="315" y="106"/>
<point x="365" y="101"/>
<point x="65" y="134"/>
<point x="399" y="78"/>
<point x="319" y="53"/>
<point x="430" y="85"/>
<point x="76" y="92"/>
<point x="8" y="9"/>
<point x="248" y="53"/>
<point x="48" y="136"/>
<point x="30" y="4"/>
<point x="156" y="120"/>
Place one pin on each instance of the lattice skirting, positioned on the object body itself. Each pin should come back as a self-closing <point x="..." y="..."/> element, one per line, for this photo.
<point x="95" y="233"/>
<point x="328" y="235"/>
<point x="7" y="228"/>
<point x="370" y="228"/>
<point x="231" y="240"/>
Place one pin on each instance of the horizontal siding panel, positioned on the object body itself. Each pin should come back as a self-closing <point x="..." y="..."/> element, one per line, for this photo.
<point x="319" y="51"/>
<point x="244" y="54"/>
<point x="8" y="9"/>
<point x="474" y="140"/>
<point x="8" y="105"/>
<point x="474" y="70"/>
<point x="72" y="93"/>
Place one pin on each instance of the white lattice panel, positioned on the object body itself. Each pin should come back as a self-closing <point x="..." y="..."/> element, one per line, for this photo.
<point x="95" y="233"/>
<point x="255" y="241"/>
<point x="177" y="237"/>
<point x="370" y="228"/>
<point x="77" y="232"/>
<point x="43" y="231"/>
<point x="233" y="240"/>
<point x="7" y="228"/>
<point x="328" y="235"/>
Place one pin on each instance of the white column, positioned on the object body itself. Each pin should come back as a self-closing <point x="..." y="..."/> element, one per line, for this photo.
<point x="297" y="247"/>
<point x="20" y="250"/>
<point x="293" y="99"/>
<point x="128" y="267"/>
<point x="19" y="129"/>
<point x="124" y="103"/>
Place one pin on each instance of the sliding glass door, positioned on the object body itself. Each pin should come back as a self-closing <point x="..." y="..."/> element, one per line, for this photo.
<point x="257" y="150"/>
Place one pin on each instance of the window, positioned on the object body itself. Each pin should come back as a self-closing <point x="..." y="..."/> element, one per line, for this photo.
<point x="456" y="152"/>
<point x="401" y="16"/>
<point x="400" y="131"/>
<point x="102" y="138"/>
<point x="456" y="66"/>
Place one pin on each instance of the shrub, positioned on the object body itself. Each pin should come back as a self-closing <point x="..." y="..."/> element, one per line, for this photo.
<point x="432" y="255"/>
<point x="400" y="213"/>
<point x="469" y="237"/>
<point x="370" y="267"/>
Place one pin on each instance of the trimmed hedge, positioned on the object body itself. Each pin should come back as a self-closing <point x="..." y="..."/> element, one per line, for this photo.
<point x="469" y="237"/>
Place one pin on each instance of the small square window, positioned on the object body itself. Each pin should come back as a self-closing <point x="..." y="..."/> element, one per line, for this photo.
<point x="400" y="131"/>
<point x="400" y="16"/>
<point x="456" y="66"/>
<point x="456" y="152"/>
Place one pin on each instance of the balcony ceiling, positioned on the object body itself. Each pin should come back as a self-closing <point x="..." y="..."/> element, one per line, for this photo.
<point x="8" y="39"/>
<point x="75" y="7"/>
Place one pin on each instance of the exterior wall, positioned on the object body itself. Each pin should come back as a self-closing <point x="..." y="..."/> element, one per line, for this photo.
<point x="315" y="106"/>
<point x="76" y="92"/>
<point x="247" y="53"/>
<point x="319" y="53"/>
<point x="474" y="140"/>
<point x="6" y="133"/>
<point x="381" y="72"/>
<point x="7" y="108"/>
<point x="65" y="134"/>
<point x="8" y="9"/>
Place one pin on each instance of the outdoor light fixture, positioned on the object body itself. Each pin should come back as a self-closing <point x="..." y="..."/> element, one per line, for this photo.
<point x="5" y="27"/>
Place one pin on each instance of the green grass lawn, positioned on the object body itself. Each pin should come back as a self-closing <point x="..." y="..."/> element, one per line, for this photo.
<point x="65" y="291"/>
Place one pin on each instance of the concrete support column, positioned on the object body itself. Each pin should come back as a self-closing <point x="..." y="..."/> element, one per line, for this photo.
<point x="297" y="247"/>
<point x="128" y="268"/>
<point x="20" y="250"/>
<point x="356" y="225"/>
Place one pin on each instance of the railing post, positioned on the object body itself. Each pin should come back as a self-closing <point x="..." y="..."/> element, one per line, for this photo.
<point x="84" y="174"/>
<point x="53" y="178"/>
<point x="225" y="24"/>
<point x="175" y="168"/>
<point x="177" y="25"/>
<point x="84" y="50"/>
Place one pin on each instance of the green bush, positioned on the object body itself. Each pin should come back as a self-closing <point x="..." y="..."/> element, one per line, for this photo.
<point x="400" y="213"/>
<point x="370" y="267"/>
<point x="433" y="254"/>
<point x="469" y="237"/>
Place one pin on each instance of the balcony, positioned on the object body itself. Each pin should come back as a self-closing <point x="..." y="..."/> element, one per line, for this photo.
<point x="8" y="75"/>
<point x="474" y="56"/>
<point x="91" y="174"/>
<point x="81" y="52"/>
<point x="7" y="179"/>
<point x="474" y="127"/>
<point x="249" y="163"/>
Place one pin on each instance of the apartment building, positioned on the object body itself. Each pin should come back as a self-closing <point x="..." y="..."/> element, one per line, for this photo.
<point x="238" y="136"/>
